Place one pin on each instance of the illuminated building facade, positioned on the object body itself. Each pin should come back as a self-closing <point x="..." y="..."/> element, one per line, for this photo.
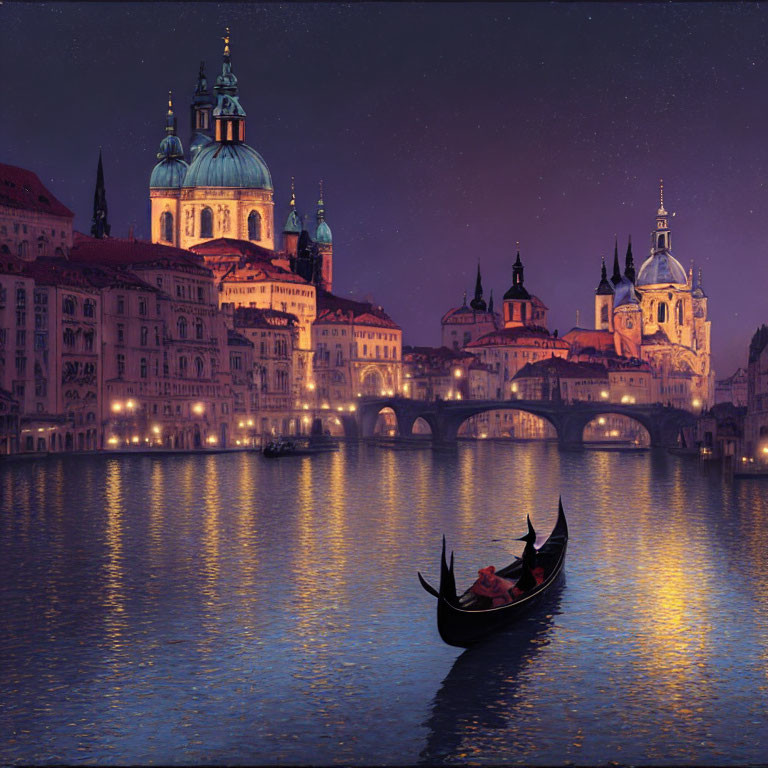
<point x="659" y="315"/>
<point x="357" y="350"/>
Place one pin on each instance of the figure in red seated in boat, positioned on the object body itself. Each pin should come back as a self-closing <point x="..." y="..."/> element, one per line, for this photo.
<point x="502" y="591"/>
<point x="490" y="585"/>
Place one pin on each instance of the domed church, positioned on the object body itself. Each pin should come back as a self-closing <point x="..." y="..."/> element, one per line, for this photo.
<point x="658" y="315"/>
<point x="226" y="189"/>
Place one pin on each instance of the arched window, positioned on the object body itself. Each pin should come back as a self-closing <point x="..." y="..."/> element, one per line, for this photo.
<point x="199" y="367"/>
<point x="181" y="325"/>
<point x="660" y="243"/>
<point x="604" y="313"/>
<point x="263" y="378"/>
<point x="182" y="366"/>
<point x="24" y="250"/>
<point x="254" y="225"/>
<point x="206" y="223"/>
<point x="198" y="328"/>
<point x="166" y="227"/>
<point x="143" y="367"/>
<point x="663" y="314"/>
<point x="679" y="312"/>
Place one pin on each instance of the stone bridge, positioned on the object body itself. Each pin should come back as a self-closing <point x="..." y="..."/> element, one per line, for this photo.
<point x="444" y="417"/>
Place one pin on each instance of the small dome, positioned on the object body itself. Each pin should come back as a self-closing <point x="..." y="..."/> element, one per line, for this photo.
<point x="625" y="293"/>
<point x="228" y="165"/>
<point x="168" y="174"/>
<point x="661" y="268"/>
<point x="323" y="234"/>
<point x="293" y="223"/>
<point x="170" y="147"/>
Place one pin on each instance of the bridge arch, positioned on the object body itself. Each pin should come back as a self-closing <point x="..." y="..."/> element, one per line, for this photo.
<point x="616" y="428"/>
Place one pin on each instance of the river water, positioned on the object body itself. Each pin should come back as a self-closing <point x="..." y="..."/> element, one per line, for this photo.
<point x="231" y="609"/>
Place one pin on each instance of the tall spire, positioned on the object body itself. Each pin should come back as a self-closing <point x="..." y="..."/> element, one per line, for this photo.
<point x="323" y="231"/>
<point x="616" y="277"/>
<point x="202" y="80"/>
<point x="629" y="263"/>
<point x="662" y="212"/>
<point x="320" y="205"/>
<point x="100" y="226"/>
<point x="490" y="302"/>
<point x="170" y="119"/>
<point x="293" y="223"/>
<point x="478" y="303"/>
<point x="604" y="288"/>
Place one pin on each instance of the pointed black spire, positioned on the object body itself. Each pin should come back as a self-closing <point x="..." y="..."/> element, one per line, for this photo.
<point x="490" y="302"/>
<point x="616" y="277"/>
<point x="517" y="291"/>
<point x="100" y="225"/>
<point x="478" y="303"/>
<point x="604" y="288"/>
<point x="629" y="264"/>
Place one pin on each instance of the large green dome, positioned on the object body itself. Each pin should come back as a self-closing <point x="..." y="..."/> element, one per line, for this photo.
<point x="228" y="165"/>
<point x="168" y="174"/>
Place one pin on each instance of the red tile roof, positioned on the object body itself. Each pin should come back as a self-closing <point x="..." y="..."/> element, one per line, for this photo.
<point x="124" y="252"/>
<point x="227" y="246"/>
<point x="20" y="188"/>
<point x="334" y="309"/>
<point x="523" y="335"/>
<point x="563" y="369"/>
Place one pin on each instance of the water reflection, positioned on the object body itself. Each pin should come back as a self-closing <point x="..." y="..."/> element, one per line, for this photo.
<point x="479" y="694"/>
<point x="212" y="609"/>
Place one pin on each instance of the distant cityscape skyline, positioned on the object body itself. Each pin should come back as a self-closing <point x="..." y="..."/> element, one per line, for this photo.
<point x="425" y="152"/>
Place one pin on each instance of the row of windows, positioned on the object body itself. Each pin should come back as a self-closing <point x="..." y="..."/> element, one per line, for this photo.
<point x="24" y="230"/>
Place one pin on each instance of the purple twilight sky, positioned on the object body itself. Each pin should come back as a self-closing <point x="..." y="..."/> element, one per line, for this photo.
<point x="443" y="132"/>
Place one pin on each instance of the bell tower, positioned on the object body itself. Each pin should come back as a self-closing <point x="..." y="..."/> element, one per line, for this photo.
<point x="660" y="239"/>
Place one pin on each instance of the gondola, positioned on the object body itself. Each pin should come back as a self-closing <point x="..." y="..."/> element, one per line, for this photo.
<point x="282" y="449"/>
<point x="464" y="620"/>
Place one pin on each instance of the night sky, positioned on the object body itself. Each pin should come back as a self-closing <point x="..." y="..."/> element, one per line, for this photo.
<point x="444" y="134"/>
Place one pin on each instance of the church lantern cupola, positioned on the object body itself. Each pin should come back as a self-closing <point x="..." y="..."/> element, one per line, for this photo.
<point x="201" y="118"/>
<point x="661" y="236"/>
<point x="517" y="300"/>
<point x="228" y="114"/>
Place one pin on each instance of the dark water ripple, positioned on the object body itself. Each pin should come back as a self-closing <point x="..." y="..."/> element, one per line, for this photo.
<point x="227" y="609"/>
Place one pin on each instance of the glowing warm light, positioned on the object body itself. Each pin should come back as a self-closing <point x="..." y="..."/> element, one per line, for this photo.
<point x="340" y="408"/>
<point x="359" y="394"/>
<point x="113" y="441"/>
<point x="391" y="392"/>
<point x="135" y="439"/>
<point x="614" y="433"/>
<point x="156" y="429"/>
<point x="337" y="421"/>
<point x="40" y="429"/>
<point x="249" y="422"/>
<point x="457" y="373"/>
<point x="117" y="407"/>
<point x="305" y="406"/>
<point x="325" y="406"/>
<point x="458" y="395"/>
<point x="353" y="407"/>
<point x="130" y="404"/>
<point x="198" y="408"/>
<point x="696" y="402"/>
<point x="625" y="398"/>
<point x="765" y="449"/>
<point x="601" y="420"/>
<point x="241" y="424"/>
<point x="383" y="392"/>
<point x="483" y="435"/>
<point x="311" y="386"/>
<point x="604" y="394"/>
<point x="237" y="442"/>
<point x="514" y="386"/>
<point x="305" y="420"/>
<point x="212" y="440"/>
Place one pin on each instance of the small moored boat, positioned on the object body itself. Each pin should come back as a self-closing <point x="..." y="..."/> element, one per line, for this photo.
<point x="465" y="619"/>
<point x="278" y="449"/>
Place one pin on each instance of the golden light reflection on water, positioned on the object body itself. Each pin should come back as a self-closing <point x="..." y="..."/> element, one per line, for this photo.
<point x="157" y="489"/>
<point x="114" y="587"/>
